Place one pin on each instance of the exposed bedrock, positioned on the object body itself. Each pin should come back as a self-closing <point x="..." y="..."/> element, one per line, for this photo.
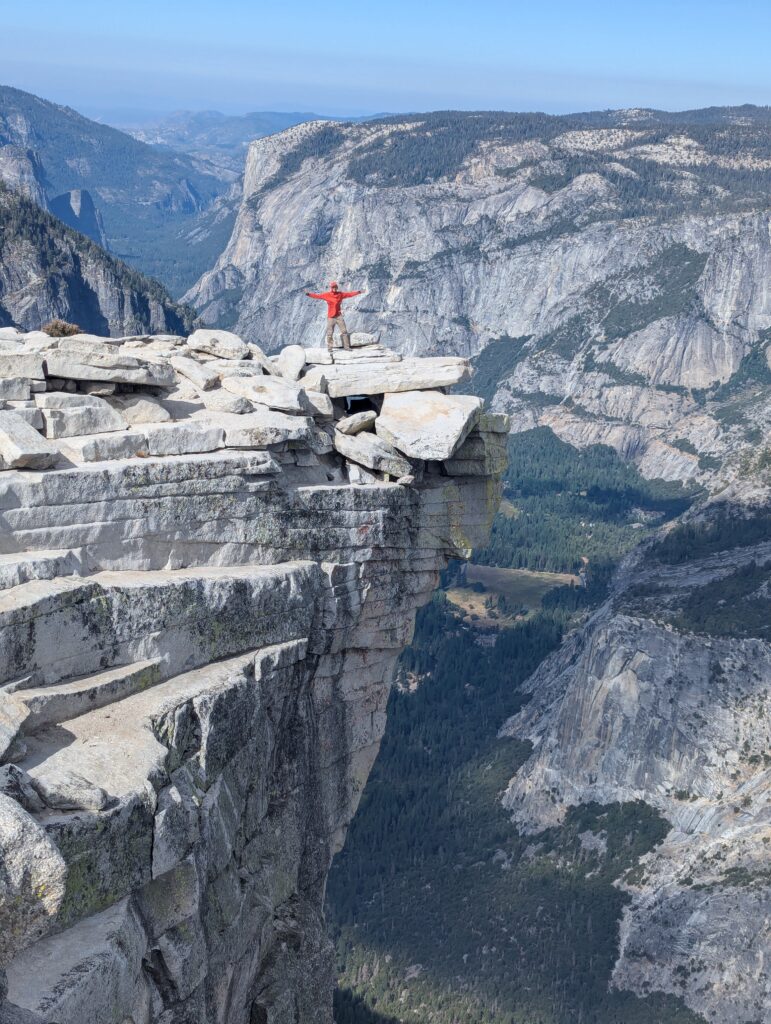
<point x="197" y="651"/>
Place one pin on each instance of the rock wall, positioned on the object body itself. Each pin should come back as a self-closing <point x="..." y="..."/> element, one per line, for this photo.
<point x="643" y="705"/>
<point x="613" y="314"/>
<point x="197" y="651"/>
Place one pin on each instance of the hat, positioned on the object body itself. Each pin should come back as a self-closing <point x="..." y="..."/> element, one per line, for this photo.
<point x="333" y="284"/>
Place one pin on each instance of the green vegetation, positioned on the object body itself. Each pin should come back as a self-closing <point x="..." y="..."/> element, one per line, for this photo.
<point x="738" y="605"/>
<point x="574" y="505"/>
<point x="434" y="145"/>
<point x="148" y="197"/>
<point x="425" y="148"/>
<point x="314" y="144"/>
<point x="441" y="910"/>
<point x="495" y="362"/>
<point x="60" y="329"/>
<point x="729" y="527"/>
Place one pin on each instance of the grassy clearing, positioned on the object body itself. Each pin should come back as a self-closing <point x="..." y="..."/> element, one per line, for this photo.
<point x="508" y="596"/>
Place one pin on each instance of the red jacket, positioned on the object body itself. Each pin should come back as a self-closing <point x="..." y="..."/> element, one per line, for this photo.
<point x="334" y="300"/>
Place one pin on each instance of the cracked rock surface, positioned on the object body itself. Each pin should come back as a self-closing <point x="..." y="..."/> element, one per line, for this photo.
<point x="200" y="616"/>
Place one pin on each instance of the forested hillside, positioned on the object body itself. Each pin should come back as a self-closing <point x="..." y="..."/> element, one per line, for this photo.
<point x="48" y="271"/>
<point x="164" y="212"/>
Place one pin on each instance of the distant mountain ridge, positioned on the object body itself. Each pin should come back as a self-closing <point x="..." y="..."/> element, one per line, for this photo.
<point x="209" y="134"/>
<point x="49" y="271"/>
<point x="166" y="213"/>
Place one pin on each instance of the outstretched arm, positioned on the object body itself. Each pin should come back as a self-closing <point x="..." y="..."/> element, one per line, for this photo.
<point x="314" y="295"/>
<point x="350" y="295"/>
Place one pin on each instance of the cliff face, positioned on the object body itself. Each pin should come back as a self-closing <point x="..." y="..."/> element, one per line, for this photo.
<point x="623" y="269"/>
<point x="663" y="698"/>
<point x="49" y="271"/>
<point x="197" y="652"/>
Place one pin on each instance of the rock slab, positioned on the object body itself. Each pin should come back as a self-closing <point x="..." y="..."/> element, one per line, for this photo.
<point x="427" y="424"/>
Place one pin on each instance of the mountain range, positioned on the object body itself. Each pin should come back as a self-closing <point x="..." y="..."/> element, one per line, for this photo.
<point x="588" y="783"/>
<point x="609" y="269"/>
<point x="210" y="135"/>
<point x="165" y="213"/>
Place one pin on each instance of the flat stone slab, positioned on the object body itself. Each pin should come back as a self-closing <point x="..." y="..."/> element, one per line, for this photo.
<point x="21" y="365"/>
<point x="264" y="427"/>
<point x="67" y="415"/>
<point x="138" y="409"/>
<point x="220" y="400"/>
<point x="357" y="422"/>
<point x="427" y="424"/>
<point x="320" y="405"/>
<point x="224" y="344"/>
<point x="379" y="377"/>
<point x="92" y="362"/>
<point x="372" y="452"/>
<point x="185" y="438"/>
<point x="21" y="446"/>
<point x="14" y="389"/>
<point x="268" y="391"/>
<point x="105" y="447"/>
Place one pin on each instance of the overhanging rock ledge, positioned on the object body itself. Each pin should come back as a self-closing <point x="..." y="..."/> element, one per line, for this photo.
<point x="203" y="594"/>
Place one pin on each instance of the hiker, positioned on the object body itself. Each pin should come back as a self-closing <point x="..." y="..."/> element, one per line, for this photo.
<point x="334" y="300"/>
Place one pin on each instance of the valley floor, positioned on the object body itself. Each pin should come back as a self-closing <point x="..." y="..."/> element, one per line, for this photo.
<point x="442" y="911"/>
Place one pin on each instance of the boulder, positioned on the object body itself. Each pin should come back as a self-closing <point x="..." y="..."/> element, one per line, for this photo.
<point x="104" y="447"/>
<point x="372" y="452"/>
<point x="218" y="343"/>
<point x="264" y="427"/>
<point x="14" y="389"/>
<point x="21" y="447"/>
<point x="221" y="400"/>
<point x="21" y="365"/>
<point x="137" y="409"/>
<point x="101" y="363"/>
<point x="184" y="438"/>
<point x="361" y="339"/>
<point x="376" y="378"/>
<point x="66" y="790"/>
<point x="318" y="356"/>
<point x="268" y="391"/>
<point x="363" y="355"/>
<point x="100" y="388"/>
<point x="204" y="378"/>
<point x="260" y="358"/>
<point x="290" y="361"/>
<point x="233" y="368"/>
<point x="357" y="422"/>
<point x="427" y="424"/>
<point x="67" y="415"/>
<point x="28" y="411"/>
<point x="13" y="715"/>
<point x="320" y="405"/>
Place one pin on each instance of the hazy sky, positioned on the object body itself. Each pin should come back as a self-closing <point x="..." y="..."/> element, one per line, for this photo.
<point x="233" y="55"/>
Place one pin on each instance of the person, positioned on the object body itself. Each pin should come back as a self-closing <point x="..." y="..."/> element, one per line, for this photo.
<point x="334" y="300"/>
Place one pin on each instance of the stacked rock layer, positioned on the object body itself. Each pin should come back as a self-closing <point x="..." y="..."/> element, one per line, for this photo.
<point x="209" y="563"/>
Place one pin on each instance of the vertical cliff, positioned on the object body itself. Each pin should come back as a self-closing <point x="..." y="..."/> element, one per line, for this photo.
<point x="198" y="643"/>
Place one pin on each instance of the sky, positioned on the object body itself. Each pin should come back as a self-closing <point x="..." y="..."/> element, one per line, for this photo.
<point x="141" y="57"/>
